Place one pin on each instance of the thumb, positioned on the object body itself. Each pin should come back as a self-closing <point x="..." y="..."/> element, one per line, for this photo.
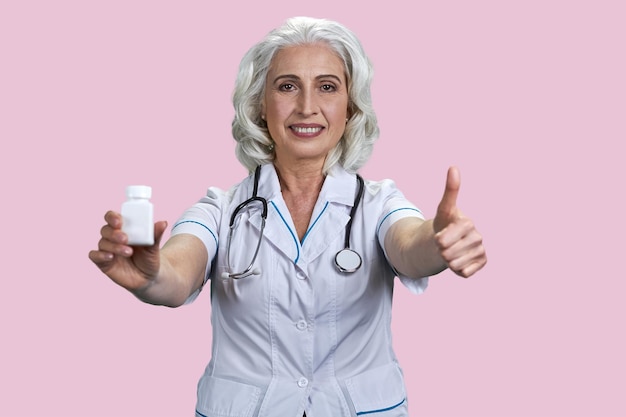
<point x="447" y="210"/>
<point x="159" y="229"/>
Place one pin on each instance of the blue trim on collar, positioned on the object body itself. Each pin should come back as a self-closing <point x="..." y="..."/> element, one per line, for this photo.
<point x="295" y="240"/>
<point x="314" y="222"/>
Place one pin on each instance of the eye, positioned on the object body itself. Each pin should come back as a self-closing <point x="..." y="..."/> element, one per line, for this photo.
<point x="328" y="88"/>
<point x="286" y="87"/>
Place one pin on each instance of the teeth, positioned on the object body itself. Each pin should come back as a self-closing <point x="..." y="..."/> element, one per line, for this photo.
<point x="306" y="129"/>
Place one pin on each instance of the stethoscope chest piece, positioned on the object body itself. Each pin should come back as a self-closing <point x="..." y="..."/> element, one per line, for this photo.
<point x="347" y="260"/>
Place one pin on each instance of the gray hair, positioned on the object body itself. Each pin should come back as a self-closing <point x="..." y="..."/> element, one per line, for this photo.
<point x="250" y="131"/>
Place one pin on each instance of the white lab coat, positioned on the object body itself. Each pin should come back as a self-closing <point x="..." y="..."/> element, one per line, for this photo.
<point x="301" y="336"/>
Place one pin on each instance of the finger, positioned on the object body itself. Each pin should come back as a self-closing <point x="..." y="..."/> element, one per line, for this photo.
<point x="467" y="245"/>
<point x="103" y="260"/>
<point x="453" y="184"/>
<point x="106" y="245"/>
<point x="466" y="256"/>
<point x="113" y="234"/>
<point x="470" y="255"/>
<point x="113" y="219"/>
<point x="100" y="258"/>
<point x="469" y="269"/>
<point x="454" y="232"/>
<point x="473" y="268"/>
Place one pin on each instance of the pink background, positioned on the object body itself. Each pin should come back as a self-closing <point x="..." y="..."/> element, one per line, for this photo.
<point x="528" y="98"/>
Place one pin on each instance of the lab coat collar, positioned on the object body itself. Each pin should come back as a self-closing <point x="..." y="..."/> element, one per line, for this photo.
<point x="339" y="186"/>
<point x="328" y="219"/>
<point x="269" y="186"/>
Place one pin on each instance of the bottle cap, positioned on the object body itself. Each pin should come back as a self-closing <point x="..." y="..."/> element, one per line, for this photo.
<point x="139" y="191"/>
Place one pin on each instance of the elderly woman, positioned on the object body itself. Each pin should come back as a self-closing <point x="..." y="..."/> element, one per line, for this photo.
<point x="301" y="256"/>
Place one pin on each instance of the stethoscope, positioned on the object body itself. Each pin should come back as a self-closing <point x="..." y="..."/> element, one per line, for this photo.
<point x="346" y="260"/>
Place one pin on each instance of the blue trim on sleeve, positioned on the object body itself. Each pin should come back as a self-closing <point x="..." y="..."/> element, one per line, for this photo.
<point x="360" y="413"/>
<point x="203" y="225"/>
<point x="316" y="219"/>
<point x="295" y="240"/>
<point x="385" y="218"/>
<point x="200" y="414"/>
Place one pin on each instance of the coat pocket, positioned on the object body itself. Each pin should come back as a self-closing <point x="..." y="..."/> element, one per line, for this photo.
<point x="380" y="392"/>
<point x="225" y="398"/>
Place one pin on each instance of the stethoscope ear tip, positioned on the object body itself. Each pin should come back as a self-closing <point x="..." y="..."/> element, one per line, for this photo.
<point x="225" y="275"/>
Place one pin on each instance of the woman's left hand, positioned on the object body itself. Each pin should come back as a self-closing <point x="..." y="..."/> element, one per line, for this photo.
<point x="460" y="245"/>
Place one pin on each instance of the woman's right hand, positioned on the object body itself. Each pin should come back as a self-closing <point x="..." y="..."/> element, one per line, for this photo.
<point x="132" y="267"/>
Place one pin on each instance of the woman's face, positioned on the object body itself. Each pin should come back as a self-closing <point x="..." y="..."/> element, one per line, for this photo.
<point x="305" y="103"/>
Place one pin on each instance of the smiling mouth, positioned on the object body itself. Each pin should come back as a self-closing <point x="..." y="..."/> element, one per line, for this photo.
<point x="306" y="130"/>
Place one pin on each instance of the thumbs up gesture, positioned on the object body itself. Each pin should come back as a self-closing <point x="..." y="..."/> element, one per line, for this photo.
<point x="460" y="245"/>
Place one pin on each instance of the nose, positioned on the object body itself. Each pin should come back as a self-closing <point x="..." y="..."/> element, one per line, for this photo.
<point x="307" y="102"/>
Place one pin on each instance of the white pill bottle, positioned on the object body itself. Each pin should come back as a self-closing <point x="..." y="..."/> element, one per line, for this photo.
<point x="137" y="215"/>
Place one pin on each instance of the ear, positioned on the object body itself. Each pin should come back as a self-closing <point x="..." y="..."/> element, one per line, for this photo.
<point x="263" y="108"/>
<point x="350" y="110"/>
<point x="348" y="116"/>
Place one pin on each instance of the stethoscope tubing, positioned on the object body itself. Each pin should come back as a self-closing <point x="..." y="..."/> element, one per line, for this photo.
<point x="346" y="260"/>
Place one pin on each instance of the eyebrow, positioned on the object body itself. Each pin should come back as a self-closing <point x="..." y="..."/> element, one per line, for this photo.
<point x="295" y="77"/>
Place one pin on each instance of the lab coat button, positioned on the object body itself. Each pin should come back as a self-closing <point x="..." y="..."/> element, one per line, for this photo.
<point x="300" y="275"/>
<point x="301" y="325"/>
<point x="303" y="382"/>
